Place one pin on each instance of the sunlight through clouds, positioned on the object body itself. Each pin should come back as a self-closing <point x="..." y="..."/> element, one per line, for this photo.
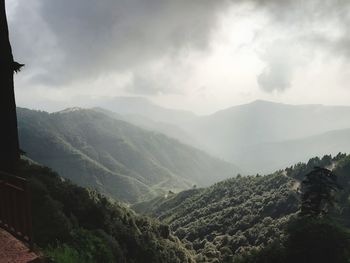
<point x="179" y="56"/>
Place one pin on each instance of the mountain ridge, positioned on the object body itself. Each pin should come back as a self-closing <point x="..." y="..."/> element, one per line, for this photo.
<point x="230" y="132"/>
<point x="120" y="159"/>
<point x="233" y="133"/>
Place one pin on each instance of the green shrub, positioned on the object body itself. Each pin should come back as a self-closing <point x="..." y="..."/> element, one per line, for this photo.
<point x="63" y="254"/>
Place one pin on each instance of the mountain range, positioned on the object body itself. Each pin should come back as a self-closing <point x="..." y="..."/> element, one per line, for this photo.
<point x="135" y="158"/>
<point x="136" y="154"/>
<point x="260" y="137"/>
<point x="245" y="134"/>
<point x="118" y="158"/>
<point x="140" y="106"/>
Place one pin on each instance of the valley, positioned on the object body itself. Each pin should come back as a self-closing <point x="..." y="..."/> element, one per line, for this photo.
<point x="118" y="158"/>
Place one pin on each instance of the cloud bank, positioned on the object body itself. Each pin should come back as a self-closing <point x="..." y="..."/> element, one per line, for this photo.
<point x="85" y="38"/>
<point x="67" y="42"/>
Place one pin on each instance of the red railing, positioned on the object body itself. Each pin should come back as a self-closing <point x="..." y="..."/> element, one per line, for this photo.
<point x="15" y="207"/>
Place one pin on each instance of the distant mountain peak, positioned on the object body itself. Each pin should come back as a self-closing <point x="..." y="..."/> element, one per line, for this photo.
<point x="265" y="102"/>
<point x="146" y="108"/>
<point x="261" y="101"/>
<point x="72" y="109"/>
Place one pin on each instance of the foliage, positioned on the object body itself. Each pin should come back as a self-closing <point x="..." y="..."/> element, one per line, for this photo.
<point x="246" y="219"/>
<point x="72" y="223"/>
<point x="315" y="240"/>
<point x="249" y="219"/>
<point x="311" y="237"/>
<point x="63" y="254"/>
<point x="229" y="218"/>
<point x="272" y="253"/>
<point x="309" y="240"/>
<point x="319" y="187"/>
<point x="117" y="158"/>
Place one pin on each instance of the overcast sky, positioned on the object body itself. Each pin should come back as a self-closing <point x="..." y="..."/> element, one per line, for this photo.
<point x="201" y="55"/>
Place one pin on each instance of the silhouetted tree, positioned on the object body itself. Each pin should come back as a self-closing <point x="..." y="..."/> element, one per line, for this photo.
<point x="317" y="240"/>
<point x="313" y="238"/>
<point x="318" y="190"/>
<point x="9" y="146"/>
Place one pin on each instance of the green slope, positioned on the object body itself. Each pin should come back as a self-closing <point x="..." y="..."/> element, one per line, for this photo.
<point x="117" y="158"/>
<point x="73" y="224"/>
<point x="243" y="213"/>
<point x="168" y="129"/>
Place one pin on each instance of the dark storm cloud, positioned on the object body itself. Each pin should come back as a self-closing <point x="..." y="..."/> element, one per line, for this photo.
<point x="73" y="40"/>
<point x="89" y="37"/>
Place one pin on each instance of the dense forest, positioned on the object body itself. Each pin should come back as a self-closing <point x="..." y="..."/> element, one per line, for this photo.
<point x="252" y="219"/>
<point x="239" y="216"/>
<point x="119" y="159"/>
<point x="242" y="219"/>
<point x="73" y="224"/>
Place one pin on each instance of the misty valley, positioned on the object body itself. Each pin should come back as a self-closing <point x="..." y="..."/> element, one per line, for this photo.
<point x="149" y="187"/>
<point x="188" y="131"/>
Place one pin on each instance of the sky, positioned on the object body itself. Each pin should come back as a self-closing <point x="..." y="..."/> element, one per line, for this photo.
<point x="198" y="55"/>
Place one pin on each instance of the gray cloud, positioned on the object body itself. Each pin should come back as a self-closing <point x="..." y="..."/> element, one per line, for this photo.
<point x="64" y="41"/>
<point x="276" y="76"/>
<point x="144" y="84"/>
<point x="67" y="40"/>
<point x="316" y="25"/>
<point x="164" y="77"/>
<point x="281" y="58"/>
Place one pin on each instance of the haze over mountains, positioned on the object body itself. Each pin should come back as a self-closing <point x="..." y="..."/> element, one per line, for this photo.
<point x="243" y="134"/>
<point x="143" y="107"/>
<point x="139" y="158"/>
<point x="116" y="157"/>
<point x="142" y="149"/>
<point x="259" y="137"/>
<point x="145" y="122"/>
<point x="276" y="155"/>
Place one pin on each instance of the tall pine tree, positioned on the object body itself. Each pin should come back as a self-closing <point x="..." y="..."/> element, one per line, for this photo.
<point x="319" y="187"/>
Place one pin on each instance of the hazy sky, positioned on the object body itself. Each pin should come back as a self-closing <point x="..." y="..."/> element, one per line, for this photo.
<point x="201" y="55"/>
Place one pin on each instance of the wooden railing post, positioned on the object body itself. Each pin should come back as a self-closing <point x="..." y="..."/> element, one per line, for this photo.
<point x="15" y="207"/>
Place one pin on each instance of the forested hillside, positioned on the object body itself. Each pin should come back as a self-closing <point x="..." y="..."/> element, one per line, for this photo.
<point x="113" y="156"/>
<point x="242" y="214"/>
<point x="166" y="128"/>
<point x="72" y="224"/>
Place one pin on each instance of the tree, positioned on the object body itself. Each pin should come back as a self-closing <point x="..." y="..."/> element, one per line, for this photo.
<point x="318" y="190"/>
<point x="9" y="145"/>
<point x="313" y="237"/>
<point x="317" y="240"/>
